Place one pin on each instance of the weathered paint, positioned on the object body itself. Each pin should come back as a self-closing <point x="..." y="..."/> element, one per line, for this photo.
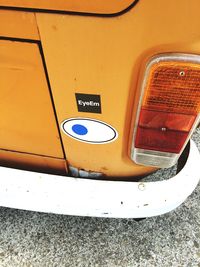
<point x="75" y="172"/>
<point x="33" y="162"/>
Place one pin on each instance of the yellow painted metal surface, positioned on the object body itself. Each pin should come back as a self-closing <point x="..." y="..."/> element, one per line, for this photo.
<point x="88" y="55"/>
<point x="88" y="6"/>
<point x="18" y="25"/>
<point x="27" y="121"/>
<point x="104" y="56"/>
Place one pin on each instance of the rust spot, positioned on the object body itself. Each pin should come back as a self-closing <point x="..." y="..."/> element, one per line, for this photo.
<point x="104" y="169"/>
<point x="54" y="27"/>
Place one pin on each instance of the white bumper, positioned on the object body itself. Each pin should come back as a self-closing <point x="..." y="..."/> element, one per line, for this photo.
<point x="75" y="196"/>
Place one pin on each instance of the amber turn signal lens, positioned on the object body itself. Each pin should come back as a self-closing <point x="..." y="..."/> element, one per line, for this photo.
<point x="173" y="87"/>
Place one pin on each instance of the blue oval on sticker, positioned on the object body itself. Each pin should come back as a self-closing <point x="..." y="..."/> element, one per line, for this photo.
<point x="89" y="130"/>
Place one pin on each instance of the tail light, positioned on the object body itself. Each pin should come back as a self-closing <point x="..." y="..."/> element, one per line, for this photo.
<point x="169" y="109"/>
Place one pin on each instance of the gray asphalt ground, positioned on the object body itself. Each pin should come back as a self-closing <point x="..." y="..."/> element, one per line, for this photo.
<point x="36" y="239"/>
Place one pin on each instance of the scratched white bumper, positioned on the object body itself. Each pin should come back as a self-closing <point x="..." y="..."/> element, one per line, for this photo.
<point x="75" y="196"/>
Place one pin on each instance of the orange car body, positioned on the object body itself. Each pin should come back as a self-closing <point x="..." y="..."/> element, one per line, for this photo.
<point x="52" y="52"/>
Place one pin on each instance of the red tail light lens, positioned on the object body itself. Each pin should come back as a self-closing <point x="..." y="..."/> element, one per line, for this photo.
<point x="169" y="109"/>
<point x="162" y="131"/>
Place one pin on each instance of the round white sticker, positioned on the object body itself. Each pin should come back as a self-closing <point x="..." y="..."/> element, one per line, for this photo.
<point x="89" y="130"/>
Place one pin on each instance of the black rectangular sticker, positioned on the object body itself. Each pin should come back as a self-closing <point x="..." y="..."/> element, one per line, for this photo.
<point x="88" y="103"/>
